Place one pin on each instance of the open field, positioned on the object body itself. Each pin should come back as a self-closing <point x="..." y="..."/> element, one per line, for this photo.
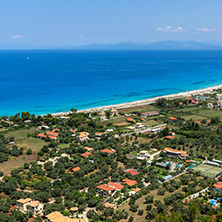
<point x="208" y="170"/>
<point x="138" y="108"/>
<point x="123" y="123"/>
<point x="194" y="117"/>
<point x="16" y="162"/>
<point x="21" y="139"/>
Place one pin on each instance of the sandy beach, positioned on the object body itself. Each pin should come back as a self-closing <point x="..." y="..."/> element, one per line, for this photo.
<point x="208" y="90"/>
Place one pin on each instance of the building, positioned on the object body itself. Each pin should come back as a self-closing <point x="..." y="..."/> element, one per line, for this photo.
<point x="153" y="113"/>
<point x="75" y="169"/>
<point x="129" y="182"/>
<point x="88" y="148"/>
<point x="131" y="120"/>
<point x="65" y="155"/>
<point x="35" y="207"/>
<point x="97" y="134"/>
<point x="102" y="115"/>
<point x="157" y="130"/>
<point x="161" y="164"/>
<point x="22" y="204"/>
<point x="114" y="112"/>
<point x="83" y="136"/>
<point x="86" y="154"/>
<point x="109" y="152"/>
<point x="144" y="114"/>
<point x="41" y="136"/>
<point x="58" y="217"/>
<point x="139" y="126"/>
<point x="132" y="172"/>
<point x="134" y="191"/>
<point x="176" y="153"/>
<point x="217" y="186"/>
<point x="218" y="97"/>
<point x="109" y="189"/>
<point x="169" y="137"/>
<point x="143" y="154"/>
<point x="130" y="128"/>
<point x="210" y="106"/>
<point x="172" y="118"/>
<point x="193" y="101"/>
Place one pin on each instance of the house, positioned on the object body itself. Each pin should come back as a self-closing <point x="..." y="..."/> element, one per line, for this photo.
<point x="98" y="134"/>
<point x="172" y="118"/>
<point x="22" y="204"/>
<point x="109" y="152"/>
<point x="139" y="126"/>
<point x="130" y="182"/>
<point x="130" y="128"/>
<point x="53" y="160"/>
<point x="35" y="207"/>
<point x="88" y="148"/>
<point x="58" y="217"/>
<point x="218" y="97"/>
<point x="65" y="155"/>
<point x="169" y="137"/>
<point x="142" y="155"/>
<point x="217" y="186"/>
<point x="153" y="113"/>
<point x="41" y="136"/>
<point x="132" y="172"/>
<point x="144" y="114"/>
<point x="56" y="130"/>
<point x="50" y="133"/>
<point x="75" y="169"/>
<point x="109" y="130"/>
<point x="134" y="191"/>
<point x="193" y="101"/>
<point x="131" y="120"/>
<point x="102" y="115"/>
<point x="157" y="130"/>
<point x="109" y="189"/>
<point x="86" y="154"/>
<point x="175" y="153"/>
<point x="210" y="106"/>
<point x="161" y="164"/>
<point x="114" y="112"/>
<point x="83" y="136"/>
<point x="172" y="133"/>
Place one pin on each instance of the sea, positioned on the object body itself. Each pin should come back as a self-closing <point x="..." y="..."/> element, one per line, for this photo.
<point x="52" y="81"/>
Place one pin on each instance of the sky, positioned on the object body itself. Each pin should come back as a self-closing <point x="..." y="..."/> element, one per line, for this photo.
<point x="61" y="23"/>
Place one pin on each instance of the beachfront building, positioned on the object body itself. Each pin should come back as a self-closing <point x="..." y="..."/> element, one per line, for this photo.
<point x="22" y="204"/>
<point x="193" y="101"/>
<point x="218" y="97"/>
<point x="143" y="155"/>
<point x="102" y="115"/>
<point x="175" y="153"/>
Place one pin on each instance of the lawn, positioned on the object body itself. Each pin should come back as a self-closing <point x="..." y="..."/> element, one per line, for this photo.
<point x="21" y="139"/>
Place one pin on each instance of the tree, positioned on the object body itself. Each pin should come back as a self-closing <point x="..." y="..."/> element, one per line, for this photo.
<point x="29" y="152"/>
<point x="73" y="110"/>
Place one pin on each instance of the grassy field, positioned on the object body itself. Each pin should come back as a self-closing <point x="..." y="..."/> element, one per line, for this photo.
<point x="208" y="170"/>
<point x="21" y="139"/>
<point x="16" y="162"/>
<point x="194" y="117"/>
<point x="145" y="108"/>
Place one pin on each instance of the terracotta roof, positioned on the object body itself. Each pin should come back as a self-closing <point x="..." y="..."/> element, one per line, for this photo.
<point x="169" y="137"/>
<point x="172" y="118"/>
<point x="130" y="182"/>
<point x="188" y="161"/>
<point x="98" y="134"/>
<point x="109" y="205"/>
<point x="75" y="169"/>
<point x="106" y="188"/>
<point x="132" y="172"/>
<point x="116" y="185"/>
<point x="179" y="152"/>
<point x="23" y="201"/>
<point x="131" y="120"/>
<point x="34" y="204"/>
<point x="52" y="137"/>
<point x="108" y="151"/>
<point x="137" y="190"/>
<point x="72" y="131"/>
<point x="56" y="129"/>
<point x="86" y="154"/>
<point x="52" y="133"/>
<point x="218" y="185"/>
<point x="41" y="135"/>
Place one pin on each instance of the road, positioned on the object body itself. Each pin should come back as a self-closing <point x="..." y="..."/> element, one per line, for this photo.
<point x="195" y="195"/>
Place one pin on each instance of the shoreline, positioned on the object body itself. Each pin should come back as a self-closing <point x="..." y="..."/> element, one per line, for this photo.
<point x="145" y="101"/>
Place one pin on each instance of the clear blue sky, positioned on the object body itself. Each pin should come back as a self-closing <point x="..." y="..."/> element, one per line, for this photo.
<point x="57" y="23"/>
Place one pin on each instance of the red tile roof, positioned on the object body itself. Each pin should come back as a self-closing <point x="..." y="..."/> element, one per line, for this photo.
<point x="218" y="185"/>
<point x="132" y="172"/>
<point x="172" y="118"/>
<point x="52" y="133"/>
<point x="41" y="135"/>
<point x="131" y="120"/>
<point x="75" y="169"/>
<point x="116" y="185"/>
<point x="86" y="154"/>
<point x="130" y="182"/>
<point x="169" y="137"/>
<point x="106" y="188"/>
<point x="108" y="151"/>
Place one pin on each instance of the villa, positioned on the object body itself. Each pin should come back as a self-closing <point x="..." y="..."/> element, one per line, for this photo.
<point x="217" y="186"/>
<point x="83" y="136"/>
<point x="109" y="152"/>
<point x="86" y="154"/>
<point x="109" y="189"/>
<point x="132" y="172"/>
<point x="35" y="207"/>
<point x="22" y="204"/>
<point x="175" y="153"/>
<point x="142" y="155"/>
<point x="75" y="169"/>
<point x="129" y="182"/>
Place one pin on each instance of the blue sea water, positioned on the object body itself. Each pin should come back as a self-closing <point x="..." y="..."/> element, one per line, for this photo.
<point x="49" y="81"/>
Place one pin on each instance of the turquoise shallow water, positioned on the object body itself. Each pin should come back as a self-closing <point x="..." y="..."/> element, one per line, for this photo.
<point x="49" y="81"/>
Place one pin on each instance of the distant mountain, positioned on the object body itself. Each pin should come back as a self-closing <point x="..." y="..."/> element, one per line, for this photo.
<point x="154" y="46"/>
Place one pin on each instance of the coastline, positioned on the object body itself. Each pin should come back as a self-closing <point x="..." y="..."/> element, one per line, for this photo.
<point x="145" y="101"/>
